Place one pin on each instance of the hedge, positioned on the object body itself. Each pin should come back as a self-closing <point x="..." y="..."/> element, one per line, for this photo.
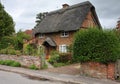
<point x="96" y="45"/>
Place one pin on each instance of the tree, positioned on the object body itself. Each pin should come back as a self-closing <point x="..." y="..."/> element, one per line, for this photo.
<point x="6" y="23"/>
<point x="40" y="17"/>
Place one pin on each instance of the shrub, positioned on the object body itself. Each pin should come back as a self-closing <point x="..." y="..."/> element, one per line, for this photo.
<point x="10" y="63"/>
<point x="33" y="67"/>
<point x="2" y="62"/>
<point x="54" y="57"/>
<point x="3" y="51"/>
<point x="7" y="41"/>
<point x="96" y="45"/>
<point x="70" y="48"/>
<point x="16" y="64"/>
<point x="30" y="49"/>
<point x="10" y="50"/>
<point x="65" y="57"/>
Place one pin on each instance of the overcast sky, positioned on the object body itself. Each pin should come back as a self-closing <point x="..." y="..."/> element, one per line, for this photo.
<point x="24" y="11"/>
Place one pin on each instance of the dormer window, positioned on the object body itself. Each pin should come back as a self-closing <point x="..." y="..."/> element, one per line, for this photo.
<point x="64" y="34"/>
<point x="41" y="35"/>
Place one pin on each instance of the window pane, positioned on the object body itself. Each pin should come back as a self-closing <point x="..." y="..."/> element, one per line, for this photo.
<point x="63" y="48"/>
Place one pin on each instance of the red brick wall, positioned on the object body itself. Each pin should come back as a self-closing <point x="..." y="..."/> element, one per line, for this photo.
<point x="111" y="71"/>
<point x="98" y="70"/>
<point x="89" y="21"/>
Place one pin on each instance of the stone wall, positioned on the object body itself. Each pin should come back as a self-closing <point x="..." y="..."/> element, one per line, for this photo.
<point x="25" y="61"/>
<point x="98" y="70"/>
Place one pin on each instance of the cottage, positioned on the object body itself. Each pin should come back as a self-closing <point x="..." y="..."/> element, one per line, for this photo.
<point x="57" y="29"/>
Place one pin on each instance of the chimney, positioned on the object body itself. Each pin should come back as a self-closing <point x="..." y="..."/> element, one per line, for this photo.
<point x="65" y="5"/>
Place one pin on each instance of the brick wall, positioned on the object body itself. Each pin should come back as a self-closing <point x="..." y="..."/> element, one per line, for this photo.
<point x="98" y="70"/>
<point x="89" y="21"/>
<point x="58" y="39"/>
<point x="25" y="61"/>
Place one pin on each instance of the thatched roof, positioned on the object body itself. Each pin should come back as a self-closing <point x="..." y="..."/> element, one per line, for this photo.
<point x="66" y="19"/>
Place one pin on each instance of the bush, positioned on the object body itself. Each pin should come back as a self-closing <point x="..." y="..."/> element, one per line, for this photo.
<point x="33" y="67"/>
<point x="60" y="59"/>
<point x="10" y="50"/>
<point x="7" y="41"/>
<point x="16" y="64"/>
<point x="2" y="62"/>
<point x="3" y="51"/>
<point x="10" y="63"/>
<point x="30" y="49"/>
<point x="65" y="57"/>
<point x="96" y="45"/>
<point x="54" y="57"/>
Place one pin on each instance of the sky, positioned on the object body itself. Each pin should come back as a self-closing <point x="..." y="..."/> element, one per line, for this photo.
<point x="24" y="11"/>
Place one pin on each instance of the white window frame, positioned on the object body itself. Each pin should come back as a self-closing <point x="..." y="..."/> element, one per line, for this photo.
<point x="41" y="35"/>
<point x="64" y="34"/>
<point x="63" y="48"/>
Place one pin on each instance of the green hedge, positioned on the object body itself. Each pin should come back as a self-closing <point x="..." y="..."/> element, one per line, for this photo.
<point x="96" y="45"/>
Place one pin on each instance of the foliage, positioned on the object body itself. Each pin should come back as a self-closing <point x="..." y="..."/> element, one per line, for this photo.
<point x="6" y="23"/>
<point x="60" y="59"/>
<point x="16" y="41"/>
<point x="7" y="41"/>
<point x="54" y="57"/>
<point x="20" y="37"/>
<point x="10" y="50"/>
<point x="30" y="49"/>
<point x="40" y="17"/>
<point x="10" y="63"/>
<point x="96" y="45"/>
<point x="33" y="67"/>
<point x="65" y="57"/>
<point x="70" y="48"/>
<point x="16" y="64"/>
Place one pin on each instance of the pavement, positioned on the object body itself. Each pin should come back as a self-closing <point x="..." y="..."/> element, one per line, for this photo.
<point x="68" y="79"/>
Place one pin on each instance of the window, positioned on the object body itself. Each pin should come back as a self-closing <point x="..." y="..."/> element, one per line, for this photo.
<point x="41" y="35"/>
<point x="63" y="48"/>
<point x="64" y="34"/>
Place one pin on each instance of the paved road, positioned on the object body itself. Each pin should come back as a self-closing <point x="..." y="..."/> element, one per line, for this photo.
<point x="13" y="78"/>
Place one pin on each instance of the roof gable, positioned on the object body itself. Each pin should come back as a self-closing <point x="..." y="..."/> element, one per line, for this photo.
<point x="67" y="19"/>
